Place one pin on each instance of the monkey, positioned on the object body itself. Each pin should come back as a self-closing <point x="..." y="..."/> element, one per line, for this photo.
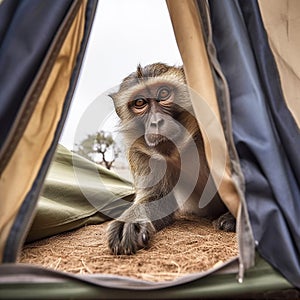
<point x="166" y="155"/>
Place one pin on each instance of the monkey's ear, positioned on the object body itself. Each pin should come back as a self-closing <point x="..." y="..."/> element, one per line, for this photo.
<point x="181" y="69"/>
<point x="182" y="72"/>
<point x="112" y="96"/>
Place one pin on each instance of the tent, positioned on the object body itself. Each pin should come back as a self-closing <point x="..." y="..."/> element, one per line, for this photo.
<point x="242" y="58"/>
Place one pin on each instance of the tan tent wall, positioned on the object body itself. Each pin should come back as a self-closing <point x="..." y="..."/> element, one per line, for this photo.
<point x="282" y="23"/>
<point x="21" y="170"/>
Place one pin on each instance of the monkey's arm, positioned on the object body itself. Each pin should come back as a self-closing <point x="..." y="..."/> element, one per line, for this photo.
<point x="152" y="210"/>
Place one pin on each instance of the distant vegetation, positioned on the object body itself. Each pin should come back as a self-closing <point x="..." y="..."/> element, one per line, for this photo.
<point x="100" y="148"/>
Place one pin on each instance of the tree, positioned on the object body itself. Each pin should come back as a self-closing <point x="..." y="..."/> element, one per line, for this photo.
<point x="100" y="148"/>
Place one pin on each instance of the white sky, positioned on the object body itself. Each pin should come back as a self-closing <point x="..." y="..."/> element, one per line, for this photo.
<point x="125" y="33"/>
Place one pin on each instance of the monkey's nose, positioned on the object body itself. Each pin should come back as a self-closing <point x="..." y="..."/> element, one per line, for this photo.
<point x="157" y="123"/>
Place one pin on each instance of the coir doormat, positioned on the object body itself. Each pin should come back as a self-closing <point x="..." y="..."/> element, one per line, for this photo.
<point x="185" y="247"/>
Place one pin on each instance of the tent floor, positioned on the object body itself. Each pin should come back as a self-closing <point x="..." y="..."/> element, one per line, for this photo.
<point x="183" y="248"/>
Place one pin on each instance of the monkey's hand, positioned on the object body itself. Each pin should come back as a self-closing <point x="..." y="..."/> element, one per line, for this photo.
<point x="226" y="222"/>
<point x="128" y="238"/>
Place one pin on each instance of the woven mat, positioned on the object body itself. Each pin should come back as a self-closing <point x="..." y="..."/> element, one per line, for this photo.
<point x="183" y="248"/>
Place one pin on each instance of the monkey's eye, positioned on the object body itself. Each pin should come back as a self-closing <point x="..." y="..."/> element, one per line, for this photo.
<point x="163" y="93"/>
<point x="140" y="103"/>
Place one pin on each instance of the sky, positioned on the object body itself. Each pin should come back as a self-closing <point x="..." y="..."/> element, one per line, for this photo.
<point x="124" y="34"/>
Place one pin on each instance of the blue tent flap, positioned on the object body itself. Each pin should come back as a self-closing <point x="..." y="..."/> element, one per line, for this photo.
<point x="265" y="134"/>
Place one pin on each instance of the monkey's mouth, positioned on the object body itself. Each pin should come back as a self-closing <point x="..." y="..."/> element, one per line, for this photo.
<point x="153" y="139"/>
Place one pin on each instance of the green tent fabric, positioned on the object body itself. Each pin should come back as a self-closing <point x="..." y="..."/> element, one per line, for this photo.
<point x="29" y="282"/>
<point x="70" y="181"/>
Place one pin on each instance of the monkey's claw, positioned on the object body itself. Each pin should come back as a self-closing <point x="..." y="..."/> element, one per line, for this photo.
<point x="128" y="238"/>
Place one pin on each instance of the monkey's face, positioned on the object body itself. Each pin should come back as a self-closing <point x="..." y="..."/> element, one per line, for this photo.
<point x="152" y="108"/>
<point x="153" y="104"/>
